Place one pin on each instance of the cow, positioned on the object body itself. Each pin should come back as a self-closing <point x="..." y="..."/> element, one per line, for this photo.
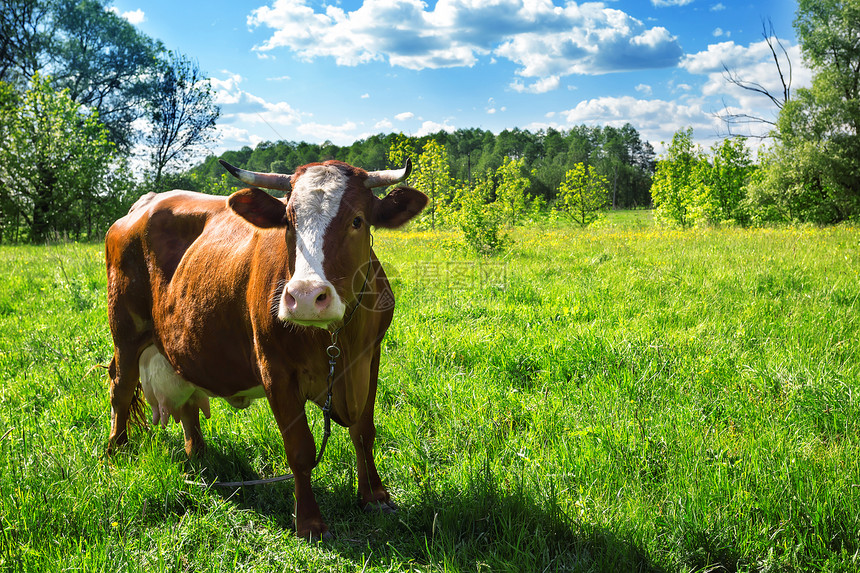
<point x="245" y="297"/>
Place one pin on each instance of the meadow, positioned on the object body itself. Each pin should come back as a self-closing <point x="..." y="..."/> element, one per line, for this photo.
<point x="619" y="398"/>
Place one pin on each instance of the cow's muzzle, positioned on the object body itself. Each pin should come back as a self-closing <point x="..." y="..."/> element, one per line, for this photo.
<point x="310" y="303"/>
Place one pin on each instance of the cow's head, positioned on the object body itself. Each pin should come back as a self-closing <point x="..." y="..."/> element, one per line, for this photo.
<point x="326" y="217"/>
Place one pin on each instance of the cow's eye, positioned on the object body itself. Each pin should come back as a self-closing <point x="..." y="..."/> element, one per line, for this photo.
<point x="356" y="223"/>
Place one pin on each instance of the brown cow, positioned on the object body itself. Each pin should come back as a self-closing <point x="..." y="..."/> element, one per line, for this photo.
<point x="233" y="298"/>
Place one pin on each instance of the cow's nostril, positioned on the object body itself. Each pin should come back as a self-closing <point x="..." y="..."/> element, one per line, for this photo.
<point x="322" y="297"/>
<point x="290" y="300"/>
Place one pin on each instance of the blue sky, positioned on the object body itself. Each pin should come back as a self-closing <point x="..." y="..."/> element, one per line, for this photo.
<point x="314" y="70"/>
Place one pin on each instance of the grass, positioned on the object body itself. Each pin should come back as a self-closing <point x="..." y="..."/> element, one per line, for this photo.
<point x="620" y="398"/>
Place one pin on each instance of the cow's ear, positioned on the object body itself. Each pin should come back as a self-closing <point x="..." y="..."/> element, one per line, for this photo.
<point x="398" y="207"/>
<point x="258" y="208"/>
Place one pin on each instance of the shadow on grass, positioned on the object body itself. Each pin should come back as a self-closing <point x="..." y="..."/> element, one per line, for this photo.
<point x="474" y="528"/>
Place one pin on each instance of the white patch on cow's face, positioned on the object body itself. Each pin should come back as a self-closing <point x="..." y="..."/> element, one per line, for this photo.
<point x="316" y="199"/>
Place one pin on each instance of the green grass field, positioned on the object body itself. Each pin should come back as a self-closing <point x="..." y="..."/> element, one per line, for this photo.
<point x="621" y="398"/>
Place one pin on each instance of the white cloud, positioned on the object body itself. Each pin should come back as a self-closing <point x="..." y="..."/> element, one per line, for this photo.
<point x="543" y="85"/>
<point x="665" y="3"/>
<point x="657" y="119"/>
<point x="404" y="116"/>
<point x="365" y="96"/>
<point x="545" y="40"/>
<point x="134" y="17"/>
<point x="339" y="134"/>
<point x="430" y="127"/>
<point x="384" y="124"/>
<point x="718" y="7"/>
<point x="227" y="90"/>
<point x="717" y="32"/>
<point x="242" y="111"/>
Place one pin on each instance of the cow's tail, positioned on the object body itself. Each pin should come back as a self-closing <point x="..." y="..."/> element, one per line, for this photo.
<point x="137" y="409"/>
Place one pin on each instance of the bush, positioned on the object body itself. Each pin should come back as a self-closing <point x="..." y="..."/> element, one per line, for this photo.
<point x="481" y="222"/>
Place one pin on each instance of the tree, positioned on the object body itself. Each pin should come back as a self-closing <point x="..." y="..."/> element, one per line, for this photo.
<point x="674" y="190"/>
<point x="433" y="178"/>
<point x="479" y="220"/>
<point x="815" y="165"/>
<point x="782" y="62"/>
<point x="22" y="39"/>
<point x="103" y="62"/>
<point x="583" y="194"/>
<point x="402" y="147"/>
<point x="511" y="190"/>
<point x="54" y="162"/>
<point x="181" y="113"/>
<point x="720" y="185"/>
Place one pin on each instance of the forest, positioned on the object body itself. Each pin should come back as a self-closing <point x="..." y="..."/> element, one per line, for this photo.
<point x="619" y="154"/>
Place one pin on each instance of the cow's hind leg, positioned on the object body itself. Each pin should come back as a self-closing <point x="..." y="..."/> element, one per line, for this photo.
<point x="374" y="496"/>
<point x="125" y="376"/>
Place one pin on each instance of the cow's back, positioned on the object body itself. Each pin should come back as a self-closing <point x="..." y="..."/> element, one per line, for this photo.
<point x="143" y="250"/>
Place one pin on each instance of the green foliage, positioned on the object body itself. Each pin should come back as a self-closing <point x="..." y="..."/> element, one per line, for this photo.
<point x="56" y="167"/>
<point x="693" y="188"/>
<point x="512" y="189"/>
<point x="614" y="398"/>
<point x="103" y="61"/>
<point x="401" y="148"/>
<point x="617" y="153"/>
<point x="433" y="177"/>
<point x="480" y="220"/>
<point x="721" y="181"/>
<point x="673" y="190"/>
<point x="583" y="194"/>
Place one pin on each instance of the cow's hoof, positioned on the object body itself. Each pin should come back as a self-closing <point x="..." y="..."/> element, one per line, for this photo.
<point x="316" y="537"/>
<point x="315" y="531"/>
<point x="384" y="507"/>
<point x="114" y="447"/>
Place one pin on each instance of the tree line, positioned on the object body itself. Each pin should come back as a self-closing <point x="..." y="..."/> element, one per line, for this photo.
<point x="618" y="154"/>
<point x="476" y="180"/>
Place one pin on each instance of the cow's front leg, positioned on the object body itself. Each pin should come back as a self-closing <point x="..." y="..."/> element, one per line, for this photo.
<point x="189" y="416"/>
<point x="289" y="412"/>
<point x="374" y="496"/>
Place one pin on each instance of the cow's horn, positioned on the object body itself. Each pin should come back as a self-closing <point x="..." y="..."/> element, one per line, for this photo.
<point x="385" y="178"/>
<point x="277" y="181"/>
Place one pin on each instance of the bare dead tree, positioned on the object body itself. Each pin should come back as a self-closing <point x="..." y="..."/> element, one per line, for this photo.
<point x="782" y="63"/>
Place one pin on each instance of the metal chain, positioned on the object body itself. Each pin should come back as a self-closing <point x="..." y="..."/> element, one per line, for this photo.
<point x="333" y="352"/>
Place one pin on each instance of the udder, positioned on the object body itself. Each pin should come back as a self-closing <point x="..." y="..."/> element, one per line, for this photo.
<point x="166" y="391"/>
